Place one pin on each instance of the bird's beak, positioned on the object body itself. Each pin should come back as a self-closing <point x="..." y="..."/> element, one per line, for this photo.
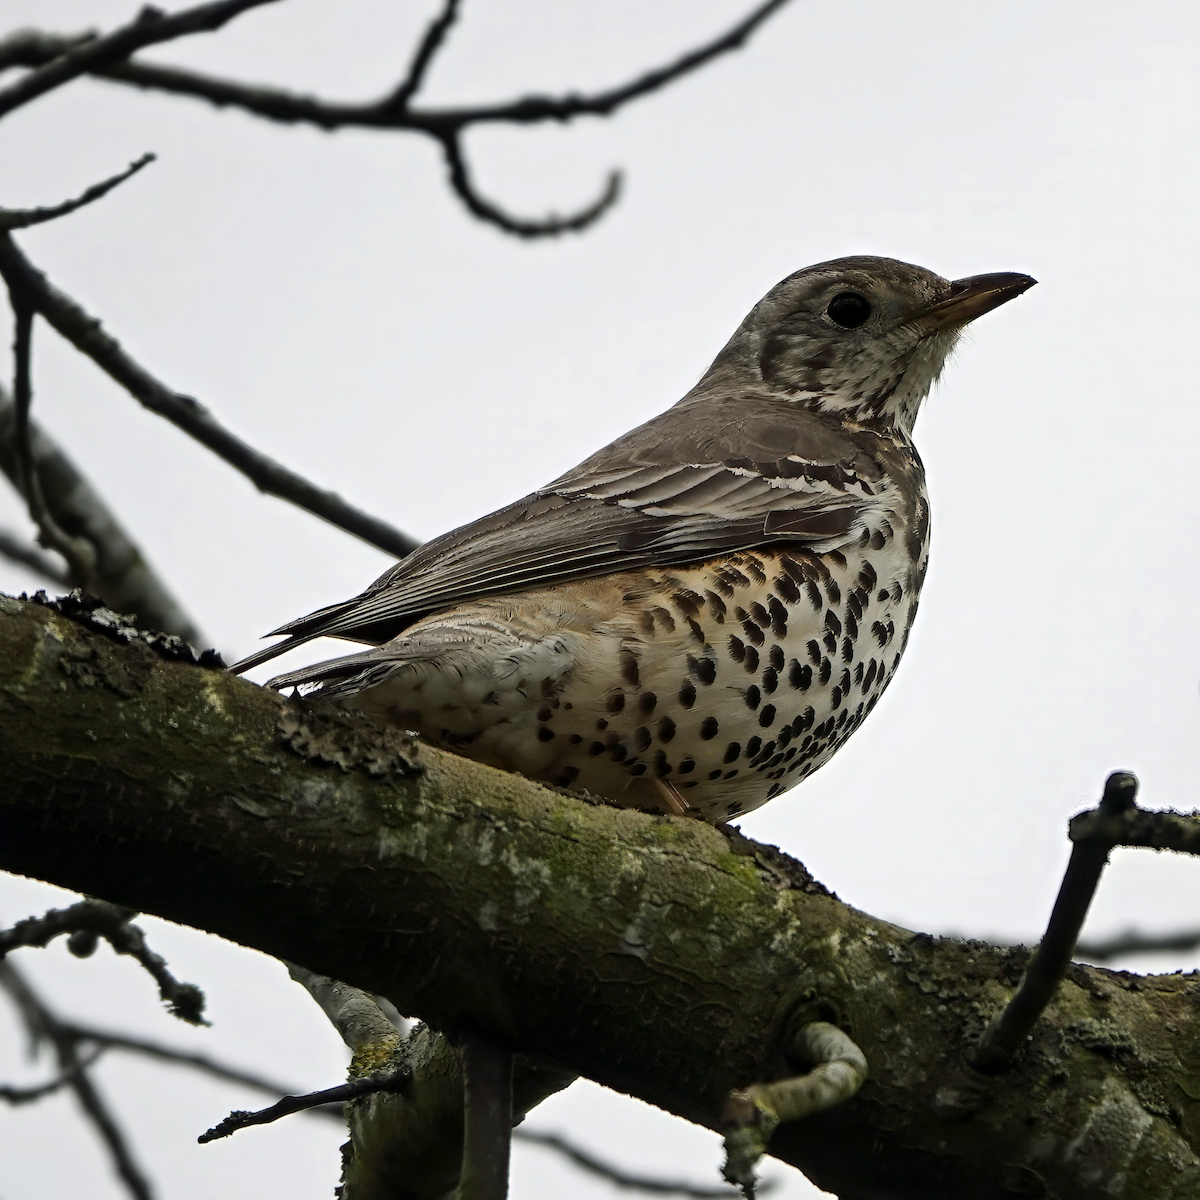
<point x="971" y="298"/>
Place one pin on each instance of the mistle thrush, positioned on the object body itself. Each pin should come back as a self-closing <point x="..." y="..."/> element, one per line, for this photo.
<point x="696" y="617"/>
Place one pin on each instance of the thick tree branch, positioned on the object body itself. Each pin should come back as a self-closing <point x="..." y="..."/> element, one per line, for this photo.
<point x="122" y="575"/>
<point x="84" y="332"/>
<point x="657" y="955"/>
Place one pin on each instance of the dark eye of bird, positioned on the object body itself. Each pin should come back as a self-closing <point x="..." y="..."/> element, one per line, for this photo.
<point x="849" y="310"/>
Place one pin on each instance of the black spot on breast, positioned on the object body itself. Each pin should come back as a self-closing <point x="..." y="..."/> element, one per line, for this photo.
<point x="770" y="680"/>
<point x="814" y="595"/>
<point x="786" y="587"/>
<point x="704" y="669"/>
<point x="777" y="657"/>
<point x="647" y="701"/>
<point x="732" y="752"/>
<point x="799" y="675"/>
<point x="880" y="632"/>
<point x="661" y="766"/>
<point x="833" y="624"/>
<point x="734" y="808"/>
<point x="766" y="718"/>
<point x="858" y="674"/>
<point x="851" y="624"/>
<point x="565" y="776"/>
<point x="869" y="678"/>
<point x="686" y="767"/>
<point x="737" y="648"/>
<point x="615" y="702"/>
<point x="638" y="769"/>
<point x="687" y="693"/>
<point x="629" y="667"/>
<point x="715" y="774"/>
<point x="666" y="729"/>
<point x="731" y="774"/>
<point x="784" y="735"/>
<point x="753" y="696"/>
<point x="596" y="748"/>
<point x="545" y="734"/>
<point x="753" y="746"/>
<point x="774" y="790"/>
<point x="708" y="728"/>
<point x="825" y="671"/>
<point x="830" y="643"/>
<point x="884" y="594"/>
<point x="814" y="653"/>
<point x="847" y="650"/>
<point x="778" y="617"/>
<point x="751" y="663"/>
<point x="575" y="739"/>
<point x="619" y="753"/>
<point x="877" y="540"/>
<point x="753" y="632"/>
<point x="833" y="591"/>
<point x="866" y="575"/>
<point x="641" y="739"/>
<point x="716" y="606"/>
<point x="804" y="721"/>
<point x="835" y="556"/>
<point x="662" y="616"/>
<point x="835" y="697"/>
<point x="854" y="607"/>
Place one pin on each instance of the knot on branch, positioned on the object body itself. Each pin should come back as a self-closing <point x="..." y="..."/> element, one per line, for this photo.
<point x="349" y="740"/>
<point x="92" y="613"/>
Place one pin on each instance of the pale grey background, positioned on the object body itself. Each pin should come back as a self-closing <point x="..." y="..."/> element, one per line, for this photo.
<point x="331" y="302"/>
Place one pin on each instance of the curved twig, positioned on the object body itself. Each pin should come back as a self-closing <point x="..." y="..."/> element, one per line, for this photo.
<point x="550" y="226"/>
<point x="431" y="43"/>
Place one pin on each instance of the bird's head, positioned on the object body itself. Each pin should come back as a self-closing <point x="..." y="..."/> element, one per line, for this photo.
<point x="862" y="337"/>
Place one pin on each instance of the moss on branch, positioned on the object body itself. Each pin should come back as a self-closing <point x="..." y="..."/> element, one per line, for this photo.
<point x="657" y="955"/>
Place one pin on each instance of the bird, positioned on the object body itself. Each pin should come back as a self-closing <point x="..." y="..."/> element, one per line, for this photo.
<point x="698" y="616"/>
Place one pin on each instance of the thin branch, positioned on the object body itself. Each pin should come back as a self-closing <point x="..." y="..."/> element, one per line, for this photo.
<point x="1137" y="827"/>
<point x="393" y="111"/>
<point x="28" y="1095"/>
<point x="392" y="1081"/>
<point x="122" y="576"/>
<point x="84" y="332"/>
<point x="488" y="1112"/>
<point x="550" y="226"/>
<point x="43" y="1025"/>
<point x="616" y="1175"/>
<point x="78" y="552"/>
<point x="150" y="27"/>
<point x="22" y="218"/>
<point x="430" y="44"/>
<point x="17" y="550"/>
<point x="98" y="918"/>
<point x="1009" y="1028"/>
<point x="1133" y="942"/>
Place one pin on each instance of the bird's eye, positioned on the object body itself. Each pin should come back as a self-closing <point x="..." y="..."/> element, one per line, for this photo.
<point x="849" y="310"/>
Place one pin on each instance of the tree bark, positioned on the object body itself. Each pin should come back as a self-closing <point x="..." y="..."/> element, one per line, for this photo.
<point x="659" y="956"/>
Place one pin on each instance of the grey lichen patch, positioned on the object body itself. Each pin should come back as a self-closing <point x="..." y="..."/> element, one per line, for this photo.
<point x="1101" y="1037"/>
<point x="349" y="740"/>
<point x="92" y="613"/>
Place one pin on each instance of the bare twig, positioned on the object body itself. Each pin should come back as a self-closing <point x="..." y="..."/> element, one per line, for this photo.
<point x="393" y="109"/>
<point x="488" y="1110"/>
<point x="392" y="1081"/>
<point x="485" y="210"/>
<point x="78" y="552"/>
<point x="27" y="1095"/>
<point x="431" y="43"/>
<point x="22" y="218"/>
<point x="84" y="332"/>
<point x="44" y="1026"/>
<point x="149" y="27"/>
<point x="122" y="575"/>
<point x="1136" y="827"/>
<point x="17" y="550"/>
<point x="752" y="1114"/>
<point x="92" y="919"/>
<point x="1006" y="1033"/>
<point x="1133" y="942"/>
<point x="616" y="1175"/>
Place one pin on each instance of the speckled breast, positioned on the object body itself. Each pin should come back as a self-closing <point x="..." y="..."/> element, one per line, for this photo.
<point x="731" y="680"/>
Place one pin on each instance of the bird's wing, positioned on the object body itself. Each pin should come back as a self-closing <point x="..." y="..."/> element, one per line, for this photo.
<point x="657" y="497"/>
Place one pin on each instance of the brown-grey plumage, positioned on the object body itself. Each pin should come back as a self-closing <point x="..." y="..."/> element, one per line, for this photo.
<point x="782" y="498"/>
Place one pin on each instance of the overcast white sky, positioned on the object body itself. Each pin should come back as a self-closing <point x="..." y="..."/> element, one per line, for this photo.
<point x="331" y="302"/>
